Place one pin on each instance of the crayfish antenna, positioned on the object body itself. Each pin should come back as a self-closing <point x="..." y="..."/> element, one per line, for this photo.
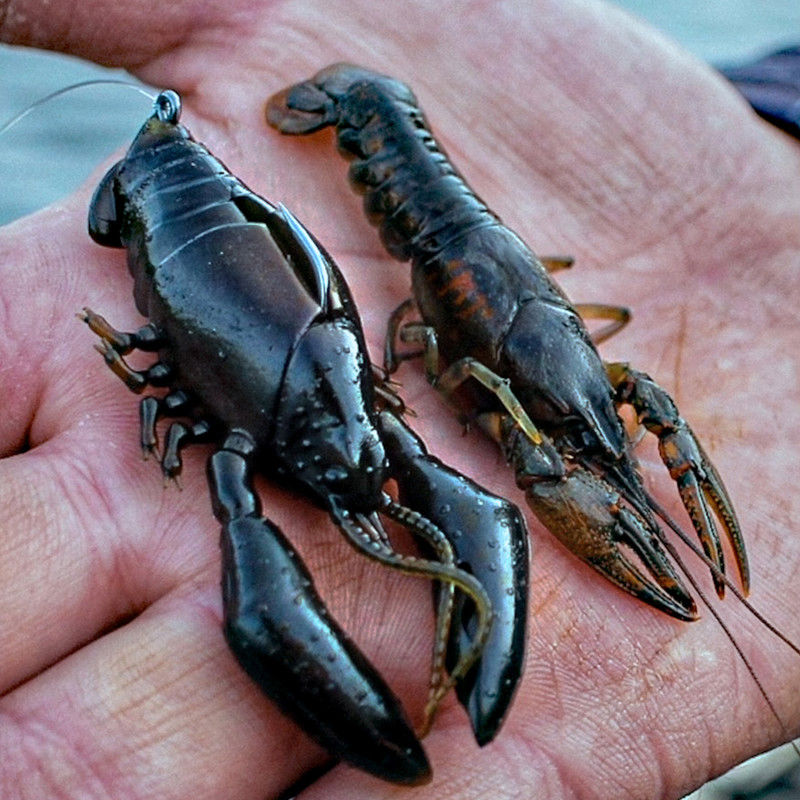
<point x="718" y="574"/>
<point x="361" y="533"/>
<point x="721" y="577"/>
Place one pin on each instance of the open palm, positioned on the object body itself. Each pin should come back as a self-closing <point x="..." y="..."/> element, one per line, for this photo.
<point x="588" y="135"/>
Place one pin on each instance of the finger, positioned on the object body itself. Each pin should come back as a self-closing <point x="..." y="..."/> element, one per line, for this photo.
<point x="49" y="269"/>
<point x="158" y="708"/>
<point x="23" y="315"/>
<point x="74" y="557"/>
<point x="131" y="33"/>
<point x="82" y="549"/>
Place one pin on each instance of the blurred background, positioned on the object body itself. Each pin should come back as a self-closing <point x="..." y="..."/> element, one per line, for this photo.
<point x="56" y="147"/>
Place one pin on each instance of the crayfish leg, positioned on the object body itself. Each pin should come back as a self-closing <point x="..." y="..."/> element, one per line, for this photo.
<point x="618" y="317"/>
<point x="448" y="381"/>
<point x="284" y="638"/>
<point x="391" y="356"/>
<point x="556" y="263"/>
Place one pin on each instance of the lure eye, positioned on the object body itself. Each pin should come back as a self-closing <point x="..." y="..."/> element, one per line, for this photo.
<point x="167" y="106"/>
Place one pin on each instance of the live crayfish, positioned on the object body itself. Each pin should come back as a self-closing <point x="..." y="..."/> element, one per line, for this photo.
<point x="520" y="362"/>
<point x="262" y="353"/>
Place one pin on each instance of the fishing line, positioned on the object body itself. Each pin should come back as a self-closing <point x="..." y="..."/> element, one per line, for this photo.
<point x="80" y="85"/>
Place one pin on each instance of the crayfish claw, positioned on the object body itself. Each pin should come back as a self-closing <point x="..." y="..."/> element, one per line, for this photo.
<point x="286" y="640"/>
<point x="490" y="540"/>
<point x="586" y="515"/>
<point x="715" y="492"/>
<point x="701" y="489"/>
<point x="636" y="534"/>
<point x="703" y="495"/>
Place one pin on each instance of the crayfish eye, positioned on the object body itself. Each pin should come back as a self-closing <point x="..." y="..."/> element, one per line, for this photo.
<point x="104" y="218"/>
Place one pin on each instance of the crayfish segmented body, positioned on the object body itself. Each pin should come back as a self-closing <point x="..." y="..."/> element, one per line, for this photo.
<point x="520" y="362"/>
<point x="262" y="354"/>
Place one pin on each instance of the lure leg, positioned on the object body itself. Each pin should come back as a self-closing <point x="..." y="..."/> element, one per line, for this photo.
<point x="136" y="380"/>
<point x="148" y="337"/>
<point x="490" y="541"/>
<point x="701" y="489"/>
<point x="151" y="410"/>
<point x="114" y="344"/>
<point x="178" y="436"/>
<point x="285" y="639"/>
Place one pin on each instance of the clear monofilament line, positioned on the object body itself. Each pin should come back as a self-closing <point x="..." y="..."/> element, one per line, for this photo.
<point x="6" y="126"/>
<point x="670" y="548"/>
<point x="686" y="539"/>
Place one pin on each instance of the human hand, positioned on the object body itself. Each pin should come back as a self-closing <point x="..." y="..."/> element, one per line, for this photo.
<point x="588" y="135"/>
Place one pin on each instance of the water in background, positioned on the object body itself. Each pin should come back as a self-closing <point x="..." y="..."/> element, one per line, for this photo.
<point x="57" y="146"/>
<point x="723" y="31"/>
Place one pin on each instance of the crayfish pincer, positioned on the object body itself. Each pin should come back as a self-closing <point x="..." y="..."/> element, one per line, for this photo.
<point x="503" y="342"/>
<point x="261" y="354"/>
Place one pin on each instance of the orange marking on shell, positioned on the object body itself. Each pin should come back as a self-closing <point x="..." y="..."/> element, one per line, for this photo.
<point x="466" y="296"/>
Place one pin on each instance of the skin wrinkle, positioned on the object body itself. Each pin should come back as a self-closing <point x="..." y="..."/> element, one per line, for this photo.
<point x="694" y="204"/>
<point x="672" y="749"/>
<point x="39" y="741"/>
<point x="606" y="113"/>
<point x="19" y="374"/>
<point x="17" y="551"/>
<point x="644" y="665"/>
<point x="125" y="676"/>
<point x="127" y="688"/>
<point x="112" y="564"/>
